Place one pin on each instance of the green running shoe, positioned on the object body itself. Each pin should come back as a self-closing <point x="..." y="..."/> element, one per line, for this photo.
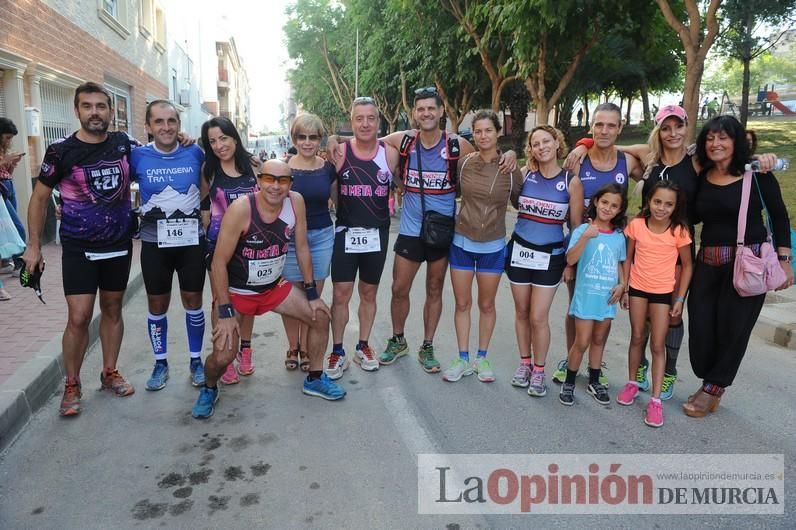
<point x="426" y="358"/>
<point x="560" y="375"/>
<point x="395" y="348"/>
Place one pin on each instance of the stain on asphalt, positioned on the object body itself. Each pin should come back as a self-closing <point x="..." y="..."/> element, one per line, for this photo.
<point x="37" y="511"/>
<point x="206" y="459"/>
<point x="183" y="493"/>
<point x="315" y="486"/>
<point x="218" y="503"/>
<point x="213" y="443"/>
<point x="250" y="499"/>
<point x="181" y="507"/>
<point x="353" y="382"/>
<point x="302" y="468"/>
<point x="171" y="480"/>
<point x="185" y="448"/>
<point x="200" y="477"/>
<point x="144" y="510"/>
<point x="452" y="526"/>
<point x="233" y="473"/>
<point x="239" y="443"/>
<point x="266" y="438"/>
<point x="259" y="469"/>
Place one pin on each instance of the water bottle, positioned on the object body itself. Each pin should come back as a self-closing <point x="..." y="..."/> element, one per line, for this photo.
<point x="782" y="164"/>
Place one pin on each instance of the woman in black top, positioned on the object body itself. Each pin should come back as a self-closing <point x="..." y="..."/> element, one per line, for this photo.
<point x="722" y="321"/>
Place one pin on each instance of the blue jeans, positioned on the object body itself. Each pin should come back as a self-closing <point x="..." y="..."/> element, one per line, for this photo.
<point x="10" y="198"/>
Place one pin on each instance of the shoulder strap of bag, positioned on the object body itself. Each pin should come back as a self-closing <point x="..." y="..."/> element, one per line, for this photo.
<point x="420" y="177"/>
<point x="452" y="153"/>
<point x="745" y="191"/>
<point x="765" y="208"/>
<point x="403" y="155"/>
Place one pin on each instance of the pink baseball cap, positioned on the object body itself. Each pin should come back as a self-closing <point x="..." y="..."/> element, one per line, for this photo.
<point x="670" y="110"/>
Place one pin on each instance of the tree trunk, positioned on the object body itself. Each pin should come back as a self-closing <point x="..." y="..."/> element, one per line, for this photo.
<point x="645" y="101"/>
<point x="586" y="110"/>
<point x="629" y="106"/>
<point x="745" y="92"/>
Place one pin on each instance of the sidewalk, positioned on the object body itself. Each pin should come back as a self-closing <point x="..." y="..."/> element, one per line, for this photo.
<point x="31" y="367"/>
<point x="777" y="322"/>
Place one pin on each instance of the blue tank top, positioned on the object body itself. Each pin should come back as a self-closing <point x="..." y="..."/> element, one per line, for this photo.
<point x="168" y="183"/>
<point x="223" y="190"/>
<point x="594" y="179"/>
<point x="438" y="190"/>
<point x="260" y="255"/>
<point x="363" y="190"/>
<point x="314" y="185"/>
<point x="543" y="207"/>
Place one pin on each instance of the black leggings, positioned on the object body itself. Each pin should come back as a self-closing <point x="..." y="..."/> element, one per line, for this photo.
<point x="720" y="323"/>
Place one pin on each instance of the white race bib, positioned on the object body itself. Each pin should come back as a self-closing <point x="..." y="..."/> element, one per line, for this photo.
<point x="178" y="232"/>
<point x="526" y="258"/>
<point x="360" y="240"/>
<point x="265" y="271"/>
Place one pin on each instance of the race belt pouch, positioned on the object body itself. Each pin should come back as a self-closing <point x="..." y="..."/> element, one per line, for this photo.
<point x="437" y="229"/>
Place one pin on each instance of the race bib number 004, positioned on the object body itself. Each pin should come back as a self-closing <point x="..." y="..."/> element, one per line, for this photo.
<point x="361" y="240"/>
<point x="526" y="258"/>
<point x="265" y="271"/>
<point x="178" y="232"/>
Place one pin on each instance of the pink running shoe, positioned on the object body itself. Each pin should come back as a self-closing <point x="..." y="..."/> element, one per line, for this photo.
<point x="628" y="394"/>
<point x="245" y="362"/>
<point x="230" y="376"/>
<point x="654" y="417"/>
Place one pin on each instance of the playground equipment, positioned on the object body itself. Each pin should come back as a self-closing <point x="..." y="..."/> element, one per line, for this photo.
<point x="769" y="98"/>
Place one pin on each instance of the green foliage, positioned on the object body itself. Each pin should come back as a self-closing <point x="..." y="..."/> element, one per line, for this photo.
<point x="766" y="69"/>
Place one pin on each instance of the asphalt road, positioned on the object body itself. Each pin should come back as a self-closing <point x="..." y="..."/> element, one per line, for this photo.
<point x="274" y="458"/>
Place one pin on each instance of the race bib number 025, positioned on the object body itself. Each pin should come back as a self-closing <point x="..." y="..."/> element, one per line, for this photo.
<point x="265" y="271"/>
<point x="526" y="258"/>
<point x="178" y="232"/>
<point x="361" y="240"/>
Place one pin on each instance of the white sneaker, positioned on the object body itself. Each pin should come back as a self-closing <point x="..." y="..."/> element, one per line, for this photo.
<point x="457" y="370"/>
<point x="366" y="359"/>
<point x="7" y="269"/>
<point x="336" y="365"/>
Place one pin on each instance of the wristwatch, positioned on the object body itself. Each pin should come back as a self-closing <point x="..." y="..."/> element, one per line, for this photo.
<point x="786" y="259"/>
<point x="226" y="311"/>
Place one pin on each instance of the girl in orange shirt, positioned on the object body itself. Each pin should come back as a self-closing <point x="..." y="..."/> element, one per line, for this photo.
<point x="656" y="238"/>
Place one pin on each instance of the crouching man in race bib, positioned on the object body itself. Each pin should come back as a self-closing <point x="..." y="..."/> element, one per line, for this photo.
<point x="246" y="275"/>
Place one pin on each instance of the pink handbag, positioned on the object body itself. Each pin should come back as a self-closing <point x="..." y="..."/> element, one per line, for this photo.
<point x="752" y="275"/>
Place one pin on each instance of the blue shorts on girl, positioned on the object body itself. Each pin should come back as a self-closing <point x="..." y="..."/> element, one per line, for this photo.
<point x="321" y="241"/>
<point x="598" y="274"/>
<point x="478" y="256"/>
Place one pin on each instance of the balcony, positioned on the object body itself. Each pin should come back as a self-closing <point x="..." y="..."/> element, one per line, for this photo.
<point x="223" y="78"/>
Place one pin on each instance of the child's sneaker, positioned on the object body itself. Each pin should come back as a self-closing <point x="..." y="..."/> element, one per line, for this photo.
<point x="567" y="394"/>
<point x="245" y="361"/>
<point x="230" y="376"/>
<point x="537" y="386"/>
<point x="667" y="389"/>
<point x="654" y="416"/>
<point x="457" y="370"/>
<point x="643" y="376"/>
<point x="627" y="395"/>
<point x="522" y="377"/>
<point x="599" y="393"/>
<point x="483" y="368"/>
<point x="560" y="375"/>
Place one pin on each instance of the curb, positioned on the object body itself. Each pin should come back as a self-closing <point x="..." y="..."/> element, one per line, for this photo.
<point x="773" y="331"/>
<point x="33" y="384"/>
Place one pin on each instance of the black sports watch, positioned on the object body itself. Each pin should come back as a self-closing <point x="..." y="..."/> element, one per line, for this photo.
<point x="226" y="311"/>
<point x="786" y="259"/>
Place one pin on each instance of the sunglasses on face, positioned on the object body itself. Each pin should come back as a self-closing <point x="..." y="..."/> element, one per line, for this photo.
<point x="268" y="178"/>
<point x="310" y="137"/>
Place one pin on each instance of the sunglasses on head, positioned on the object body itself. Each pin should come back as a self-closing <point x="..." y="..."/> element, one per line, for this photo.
<point x="364" y="99"/>
<point x="268" y="178"/>
<point x="310" y="137"/>
<point x="426" y="92"/>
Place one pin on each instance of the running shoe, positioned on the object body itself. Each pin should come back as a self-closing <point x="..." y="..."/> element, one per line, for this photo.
<point x="205" y="403"/>
<point x="245" y="361"/>
<point x="560" y="375"/>
<point x="197" y="370"/>
<point x="160" y="374"/>
<point x="567" y="394"/>
<point x="537" y="387"/>
<point x="603" y="378"/>
<point x="627" y="395"/>
<point x="366" y="359"/>
<point x="483" y="368"/>
<point x="395" y="348"/>
<point x="323" y="387"/>
<point x="116" y="383"/>
<point x="643" y="376"/>
<point x="522" y="377"/>
<point x="654" y="416"/>
<point x="7" y="269"/>
<point x="336" y="366"/>
<point x="230" y="375"/>
<point x="458" y="369"/>
<point x="667" y="389"/>
<point x="70" y="403"/>
<point x="426" y="358"/>
<point x="599" y="393"/>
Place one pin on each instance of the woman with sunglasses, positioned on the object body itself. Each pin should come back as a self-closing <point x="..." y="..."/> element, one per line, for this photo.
<point x="230" y="169"/>
<point x="315" y="179"/>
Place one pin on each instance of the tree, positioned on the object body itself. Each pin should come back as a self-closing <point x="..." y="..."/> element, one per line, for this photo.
<point x="745" y="39"/>
<point x="697" y="41"/>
